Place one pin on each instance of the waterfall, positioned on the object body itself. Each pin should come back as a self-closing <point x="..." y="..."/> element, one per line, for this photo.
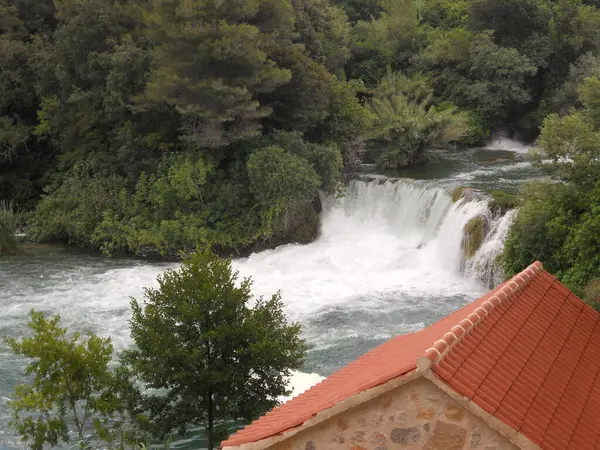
<point x="484" y="266"/>
<point x="423" y="217"/>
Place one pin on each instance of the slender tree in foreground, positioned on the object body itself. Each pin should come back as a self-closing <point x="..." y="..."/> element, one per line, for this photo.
<point x="74" y="395"/>
<point x="212" y="350"/>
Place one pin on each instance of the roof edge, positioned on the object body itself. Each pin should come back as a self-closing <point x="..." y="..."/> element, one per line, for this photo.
<point x="458" y="332"/>
<point x="514" y="436"/>
<point x="326" y="414"/>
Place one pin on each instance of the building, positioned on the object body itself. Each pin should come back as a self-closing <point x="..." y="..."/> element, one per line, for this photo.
<point x="518" y="368"/>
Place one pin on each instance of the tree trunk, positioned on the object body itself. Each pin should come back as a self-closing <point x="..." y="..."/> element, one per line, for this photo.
<point x="210" y="421"/>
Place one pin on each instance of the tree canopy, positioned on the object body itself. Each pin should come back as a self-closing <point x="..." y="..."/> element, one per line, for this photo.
<point x="155" y="110"/>
<point x="216" y="352"/>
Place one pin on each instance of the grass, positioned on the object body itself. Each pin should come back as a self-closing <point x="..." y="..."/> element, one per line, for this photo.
<point x="11" y="221"/>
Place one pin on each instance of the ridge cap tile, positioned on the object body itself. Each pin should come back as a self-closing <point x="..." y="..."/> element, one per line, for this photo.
<point x="476" y="353"/>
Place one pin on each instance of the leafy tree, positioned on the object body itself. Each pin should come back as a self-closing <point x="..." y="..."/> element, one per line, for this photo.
<point x="445" y="14"/>
<point x="284" y="185"/>
<point x="558" y="223"/>
<point x="324" y="31"/>
<point x="566" y="96"/>
<point x="361" y="9"/>
<point x="475" y="73"/>
<point x="571" y="147"/>
<point x="390" y="40"/>
<point x="406" y="124"/>
<point x="303" y="103"/>
<point x="218" y="353"/>
<point x="73" y="395"/>
<point x="217" y="90"/>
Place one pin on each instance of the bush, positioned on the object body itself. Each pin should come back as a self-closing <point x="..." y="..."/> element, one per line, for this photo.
<point x="547" y="213"/>
<point x="71" y="212"/>
<point x="280" y="182"/>
<point x="10" y="222"/>
<point x="503" y="201"/>
<point x="325" y="159"/>
<point x="405" y="123"/>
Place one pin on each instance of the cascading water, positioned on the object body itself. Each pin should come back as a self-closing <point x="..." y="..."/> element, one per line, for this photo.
<point x="484" y="265"/>
<point x="388" y="261"/>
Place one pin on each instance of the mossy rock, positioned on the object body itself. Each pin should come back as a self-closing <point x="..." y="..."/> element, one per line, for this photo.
<point x="503" y="201"/>
<point x="469" y="194"/>
<point x="473" y="236"/>
<point x="458" y="193"/>
<point x="306" y="229"/>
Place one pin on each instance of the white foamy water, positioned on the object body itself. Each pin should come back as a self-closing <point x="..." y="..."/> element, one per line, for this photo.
<point x="391" y="238"/>
<point x="388" y="261"/>
<point x="510" y="145"/>
<point x="484" y="265"/>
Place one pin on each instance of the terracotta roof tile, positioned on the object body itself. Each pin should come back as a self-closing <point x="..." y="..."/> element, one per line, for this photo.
<point x="543" y="380"/>
<point x="527" y="352"/>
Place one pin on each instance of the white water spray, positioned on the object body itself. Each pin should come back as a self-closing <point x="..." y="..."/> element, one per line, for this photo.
<point x="484" y="265"/>
<point x="508" y="145"/>
<point x="388" y="261"/>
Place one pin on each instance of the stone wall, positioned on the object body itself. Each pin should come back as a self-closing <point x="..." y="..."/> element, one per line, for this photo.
<point x="416" y="415"/>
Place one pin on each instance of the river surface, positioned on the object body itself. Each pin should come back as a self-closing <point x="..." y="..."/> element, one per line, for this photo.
<point x="388" y="261"/>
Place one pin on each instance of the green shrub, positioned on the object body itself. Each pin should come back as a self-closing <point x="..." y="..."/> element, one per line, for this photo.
<point x="11" y="221"/>
<point x="71" y="212"/>
<point x="503" y="201"/>
<point x="548" y="215"/>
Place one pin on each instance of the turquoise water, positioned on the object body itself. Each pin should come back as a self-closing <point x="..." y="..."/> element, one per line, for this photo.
<point x="385" y="264"/>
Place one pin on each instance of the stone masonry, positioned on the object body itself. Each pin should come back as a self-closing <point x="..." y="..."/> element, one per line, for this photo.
<point x="414" y="416"/>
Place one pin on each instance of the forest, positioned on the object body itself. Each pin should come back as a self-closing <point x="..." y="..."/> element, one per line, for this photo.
<point x="147" y="127"/>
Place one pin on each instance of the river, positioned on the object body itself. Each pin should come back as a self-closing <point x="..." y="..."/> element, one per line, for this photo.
<point x="388" y="261"/>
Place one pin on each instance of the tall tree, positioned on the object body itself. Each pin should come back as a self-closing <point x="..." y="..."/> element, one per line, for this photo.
<point x="213" y="60"/>
<point x="219" y="353"/>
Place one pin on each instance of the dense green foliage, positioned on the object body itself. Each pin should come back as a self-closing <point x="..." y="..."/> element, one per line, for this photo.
<point x="216" y="352"/>
<point x="73" y="394"/>
<point x="206" y="353"/>
<point x="559" y="221"/>
<point x="137" y="126"/>
<point x="405" y="123"/>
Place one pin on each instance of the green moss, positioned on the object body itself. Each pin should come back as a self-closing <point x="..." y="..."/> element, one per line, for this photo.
<point x="458" y="193"/>
<point x="503" y="201"/>
<point x="473" y="235"/>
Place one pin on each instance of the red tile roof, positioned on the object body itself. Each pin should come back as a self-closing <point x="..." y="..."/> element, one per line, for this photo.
<point x="534" y="363"/>
<point x="527" y="352"/>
